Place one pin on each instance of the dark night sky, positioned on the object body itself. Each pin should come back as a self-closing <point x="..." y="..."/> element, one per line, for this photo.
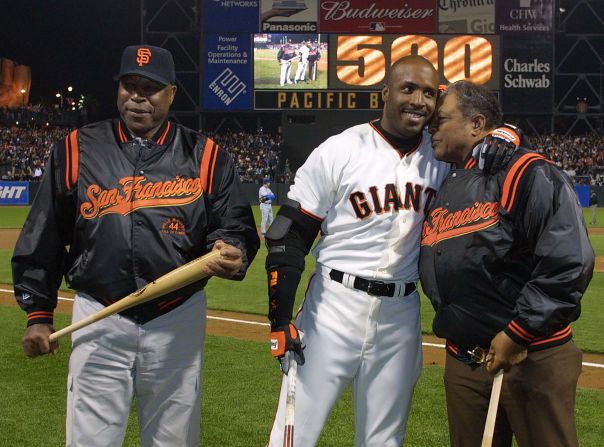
<point x="70" y="42"/>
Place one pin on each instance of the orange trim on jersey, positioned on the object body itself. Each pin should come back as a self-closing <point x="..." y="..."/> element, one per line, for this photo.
<point x="72" y="159"/>
<point x="163" y="304"/>
<point x="512" y="179"/>
<point x="122" y="135"/>
<point x="39" y="314"/>
<point x="516" y="329"/>
<point x="470" y="163"/>
<point x="400" y="154"/>
<point x="564" y="333"/>
<point x="164" y="135"/>
<point x="309" y="214"/>
<point x="208" y="162"/>
<point x="451" y="347"/>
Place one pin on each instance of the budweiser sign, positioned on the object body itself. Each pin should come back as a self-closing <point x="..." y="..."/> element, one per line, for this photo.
<point x="398" y="16"/>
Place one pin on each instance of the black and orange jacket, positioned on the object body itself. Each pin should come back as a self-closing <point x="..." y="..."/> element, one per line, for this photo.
<point x="505" y="252"/>
<point x="115" y="212"/>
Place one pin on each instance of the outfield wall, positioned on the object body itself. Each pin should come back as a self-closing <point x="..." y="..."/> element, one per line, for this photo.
<point x="23" y="193"/>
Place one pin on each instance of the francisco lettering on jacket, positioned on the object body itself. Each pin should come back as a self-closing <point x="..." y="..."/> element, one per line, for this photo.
<point x="136" y="192"/>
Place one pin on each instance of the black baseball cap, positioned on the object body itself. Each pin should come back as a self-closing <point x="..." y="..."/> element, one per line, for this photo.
<point x="148" y="61"/>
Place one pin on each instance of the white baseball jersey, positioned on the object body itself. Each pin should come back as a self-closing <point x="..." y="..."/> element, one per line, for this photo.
<point x="372" y="200"/>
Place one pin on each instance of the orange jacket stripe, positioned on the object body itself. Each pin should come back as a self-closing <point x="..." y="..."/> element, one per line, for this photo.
<point x="470" y="163"/>
<point x="516" y="329"/>
<point x="162" y="305"/>
<point x="72" y="159"/>
<point x="123" y="138"/>
<point x="33" y="315"/>
<point x="512" y="179"/>
<point x="75" y="157"/>
<point x="206" y="169"/>
<point x="164" y="135"/>
<point x="566" y="332"/>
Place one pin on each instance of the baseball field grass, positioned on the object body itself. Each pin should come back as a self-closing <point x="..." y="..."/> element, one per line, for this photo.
<point x="241" y="380"/>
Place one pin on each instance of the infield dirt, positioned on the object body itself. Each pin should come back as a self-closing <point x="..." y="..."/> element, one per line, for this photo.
<point x="217" y="324"/>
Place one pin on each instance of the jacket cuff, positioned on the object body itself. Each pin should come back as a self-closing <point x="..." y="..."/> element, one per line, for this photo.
<point x="39" y="317"/>
<point x="520" y="334"/>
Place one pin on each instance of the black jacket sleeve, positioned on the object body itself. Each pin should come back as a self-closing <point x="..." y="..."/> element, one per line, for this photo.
<point x="39" y="257"/>
<point x="231" y="218"/>
<point x="551" y="220"/>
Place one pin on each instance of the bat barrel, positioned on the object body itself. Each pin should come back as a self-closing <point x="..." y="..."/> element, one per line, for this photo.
<point x="180" y="277"/>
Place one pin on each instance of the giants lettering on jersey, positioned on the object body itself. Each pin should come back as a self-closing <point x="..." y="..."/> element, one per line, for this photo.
<point x="390" y="199"/>
<point x="137" y="192"/>
<point x="443" y="224"/>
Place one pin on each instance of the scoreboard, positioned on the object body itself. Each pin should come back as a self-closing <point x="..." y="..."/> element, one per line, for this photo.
<point x="506" y="45"/>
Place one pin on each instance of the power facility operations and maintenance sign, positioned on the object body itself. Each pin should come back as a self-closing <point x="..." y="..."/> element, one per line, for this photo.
<point x="14" y="193"/>
<point x="227" y="72"/>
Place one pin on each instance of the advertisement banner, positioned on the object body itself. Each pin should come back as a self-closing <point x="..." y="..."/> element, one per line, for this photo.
<point x="235" y="16"/>
<point x="527" y="75"/>
<point x="455" y="17"/>
<point x="14" y="193"/>
<point x="288" y="16"/>
<point x="377" y="16"/>
<point x="524" y="16"/>
<point x="317" y="100"/>
<point x="363" y="61"/>
<point x="227" y="72"/>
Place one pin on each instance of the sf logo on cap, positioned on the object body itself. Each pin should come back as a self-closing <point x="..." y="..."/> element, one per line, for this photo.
<point x="143" y="56"/>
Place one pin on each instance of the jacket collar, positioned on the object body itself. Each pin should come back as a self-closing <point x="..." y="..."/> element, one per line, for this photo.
<point x="163" y="136"/>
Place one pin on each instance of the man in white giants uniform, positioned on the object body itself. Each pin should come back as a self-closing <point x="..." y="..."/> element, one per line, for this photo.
<point x="366" y="189"/>
<point x="303" y="52"/>
<point x="266" y="197"/>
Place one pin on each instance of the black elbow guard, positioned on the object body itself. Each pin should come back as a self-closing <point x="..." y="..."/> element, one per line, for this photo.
<point x="289" y="240"/>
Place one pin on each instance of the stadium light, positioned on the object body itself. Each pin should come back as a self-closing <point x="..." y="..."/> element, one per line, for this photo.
<point x="23" y="91"/>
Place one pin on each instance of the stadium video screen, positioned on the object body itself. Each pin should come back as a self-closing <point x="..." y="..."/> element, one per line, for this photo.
<point x="290" y="61"/>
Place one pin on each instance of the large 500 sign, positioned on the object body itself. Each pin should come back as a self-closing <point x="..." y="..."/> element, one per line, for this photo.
<point x="363" y="61"/>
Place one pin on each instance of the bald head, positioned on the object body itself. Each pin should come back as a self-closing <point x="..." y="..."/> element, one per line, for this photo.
<point x="409" y="96"/>
<point x="411" y="62"/>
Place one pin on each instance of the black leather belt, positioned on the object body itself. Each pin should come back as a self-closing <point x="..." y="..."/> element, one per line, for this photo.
<point x="374" y="288"/>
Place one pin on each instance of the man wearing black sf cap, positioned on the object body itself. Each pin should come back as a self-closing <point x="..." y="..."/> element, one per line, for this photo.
<point x="123" y="202"/>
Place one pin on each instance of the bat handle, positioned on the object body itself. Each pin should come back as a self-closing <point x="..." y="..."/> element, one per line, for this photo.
<point x="489" y="426"/>
<point x="290" y="403"/>
<point x="71" y="328"/>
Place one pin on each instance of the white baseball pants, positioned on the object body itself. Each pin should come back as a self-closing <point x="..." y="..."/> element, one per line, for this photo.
<point x="285" y="75"/>
<point x="352" y="338"/>
<point x="301" y="71"/>
<point x="266" y="211"/>
<point x="159" y="362"/>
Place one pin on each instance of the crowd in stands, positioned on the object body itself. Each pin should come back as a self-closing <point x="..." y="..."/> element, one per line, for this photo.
<point x="256" y="155"/>
<point x="24" y="150"/>
<point x="582" y="158"/>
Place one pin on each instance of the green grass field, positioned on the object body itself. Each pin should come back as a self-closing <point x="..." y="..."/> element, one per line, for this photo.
<point x="267" y="72"/>
<point x="241" y="379"/>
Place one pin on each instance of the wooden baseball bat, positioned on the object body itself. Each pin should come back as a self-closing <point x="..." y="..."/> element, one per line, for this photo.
<point x="489" y="426"/>
<point x="290" y="403"/>
<point x="180" y="277"/>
